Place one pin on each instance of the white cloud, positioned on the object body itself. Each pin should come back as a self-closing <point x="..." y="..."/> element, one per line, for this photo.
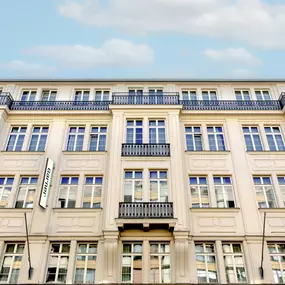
<point x="242" y="73"/>
<point x="238" y="55"/>
<point x="255" y="22"/>
<point x="114" y="52"/>
<point x="27" y="69"/>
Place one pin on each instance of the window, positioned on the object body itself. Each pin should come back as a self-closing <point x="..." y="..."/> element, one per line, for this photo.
<point x="252" y="139"/>
<point x="136" y="91"/>
<point x="58" y="262"/>
<point x="49" y="95"/>
<point x="189" y="95"/>
<point x="157" y="131"/>
<point x="38" y="139"/>
<point x="85" y="270"/>
<point x="199" y="192"/>
<point x="209" y="95"/>
<point x="158" y="186"/>
<point x="98" y="139"/>
<point x="242" y="95"/>
<point x="206" y="263"/>
<point x="224" y="192"/>
<point x="160" y="263"/>
<point x="155" y="91"/>
<point x="281" y="182"/>
<point x="133" y="186"/>
<point x="274" y="138"/>
<point x="92" y="192"/>
<point x="6" y="184"/>
<point x="262" y="95"/>
<point x="134" y="131"/>
<point x="102" y="95"/>
<point x="81" y="95"/>
<point x="11" y="263"/>
<point x="28" y="95"/>
<point x="193" y="138"/>
<point x="234" y="263"/>
<point x="277" y="257"/>
<point x="1" y="90"/>
<point x="75" y="139"/>
<point x="264" y="192"/>
<point x="67" y="192"/>
<point x="16" y="139"/>
<point x="26" y="193"/>
<point x="216" y="138"/>
<point x="132" y="262"/>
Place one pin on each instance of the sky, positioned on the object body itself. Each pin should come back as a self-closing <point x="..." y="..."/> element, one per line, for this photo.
<point x="239" y="39"/>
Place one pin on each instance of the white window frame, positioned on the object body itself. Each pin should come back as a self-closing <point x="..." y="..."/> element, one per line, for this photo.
<point x="95" y="188"/>
<point x="157" y="127"/>
<point x="155" y="91"/>
<point x="194" y="134"/>
<point x="242" y="91"/>
<point x="99" y="134"/>
<point x="5" y="187"/>
<point x="30" y="91"/>
<point x="223" y="186"/>
<point x="76" y="134"/>
<point x="278" y="255"/>
<point x="49" y="94"/>
<point x="158" y="180"/>
<point x="133" y="180"/>
<point x="251" y="134"/>
<point x="102" y="95"/>
<point x="198" y="186"/>
<point x="134" y="128"/>
<point x="209" y="94"/>
<point x="40" y="134"/>
<point x="215" y="133"/>
<point x="87" y="254"/>
<point x="189" y="94"/>
<point x="17" y="134"/>
<point x="262" y="95"/>
<point x="13" y="255"/>
<point x="282" y="187"/>
<point x="273" y="134"/>
<point x="67" y="186"/>
<point x="135" y="91"/>
<point x="27" y="186"/>
<point x="81" y="95"/>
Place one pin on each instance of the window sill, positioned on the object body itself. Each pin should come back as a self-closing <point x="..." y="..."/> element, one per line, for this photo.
<point x="85" y="152"/>
<point x="214" y="210"/>
<point x="14" y="210"/>
<point x="76" y="210"/>
<point x="259" y="152"/>
<point x="207" y="152"/>
<point x="272" y="210"/>
<point x="23" y="152"/>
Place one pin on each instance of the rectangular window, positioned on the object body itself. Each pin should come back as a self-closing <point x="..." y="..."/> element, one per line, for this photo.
<point x="11" y="263"/>
<point x="16" y="139"/>
<point x="193" y="139"/>
<point x="262" y="95"/>
<point x="189" y="95"/>
<point x="234" y="263"/>
<point x="92" y="192"/>
<point x="132" y="262"/>
<point x="136" y="91"/>
<point x="134" y="131"/>
<point x="277" y="257"/>
<point x="157" y="131"/>
<point x="49" y="95"/>
<point x="27" y="191"/>
<point x="58" y="263"/>
<point x="155" y="91"/>
<point x="216" y="138"/>
<point x="264" y="192"/>
<point x="242" y="95"/>
<point x="38" y="139"/>
<point x="160" y="263"/>
<point x="98" y="137"/>
<point x="207" y="271"/>
<point x="274" y="138"/>
<point x="28" y="95"/>
<point x="67" y="192"/>
<point x="158" y="186"/>
<point x="133" y="186"/>
<point x="252" y="139"/>
<point x="6" y="184"/>
<point x="224" y="192"/>
<point x="75" y="139"/>
<point x="85" y="268"/>
<point x="199" y="192"/>
<point x="102" y="95"/>
<point x="209" y="95"/>
<point x="81" y="95"/>
<point x="281" y="182"/>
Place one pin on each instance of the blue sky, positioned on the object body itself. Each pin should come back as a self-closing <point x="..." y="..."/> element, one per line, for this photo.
<point x="142" y="39"/>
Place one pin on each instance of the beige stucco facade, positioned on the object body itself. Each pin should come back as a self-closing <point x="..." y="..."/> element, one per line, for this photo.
<point x="241" y="224"/>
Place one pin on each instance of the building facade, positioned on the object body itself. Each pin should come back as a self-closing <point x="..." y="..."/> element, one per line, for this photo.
<point x="142" y="181"/>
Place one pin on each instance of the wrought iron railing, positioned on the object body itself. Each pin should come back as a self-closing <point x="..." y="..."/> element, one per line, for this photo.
<point x="146" y="149"/>
<point x="282" y="99"/>
<point x="144" y="210"/>
<point x="6" y="99"/>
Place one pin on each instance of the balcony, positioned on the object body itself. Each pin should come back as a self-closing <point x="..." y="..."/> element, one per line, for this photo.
<point x="146" y="149"/>
<point x="146" y="215"/>
<point x="165" y="98"/>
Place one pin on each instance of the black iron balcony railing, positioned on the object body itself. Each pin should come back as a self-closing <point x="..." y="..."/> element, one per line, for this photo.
<point x="6" y="99"/>
<point x="146" y="149"/>
<point x="145" y="210"/>
<point x="165" y="98"/>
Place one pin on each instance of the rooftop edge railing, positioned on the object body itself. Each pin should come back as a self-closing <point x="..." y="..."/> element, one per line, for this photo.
<point x="166" y="98"/>
<point x="144" y="210"/>
<point x="146" y="149"/>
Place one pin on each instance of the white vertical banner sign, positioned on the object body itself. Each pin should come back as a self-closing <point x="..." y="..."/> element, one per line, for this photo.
<point x="46" y="183"/>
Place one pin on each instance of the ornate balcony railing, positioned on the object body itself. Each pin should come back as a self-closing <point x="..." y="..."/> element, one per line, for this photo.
<point x="6" y="99"/>
<point x="166" y="98"/>
<point x="282" y="99"/>
<point x="145" y="210"/>
<point x="146" y="149"/>
<point x="230" y="105"/>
